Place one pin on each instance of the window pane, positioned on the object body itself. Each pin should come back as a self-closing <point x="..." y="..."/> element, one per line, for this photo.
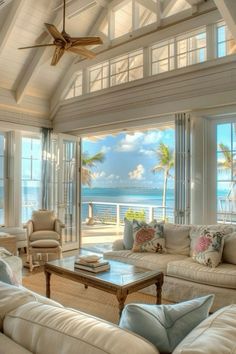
<point x="136" y="60"/>
<point x="146" y="16"/>
<point x="26" y="169"/>
<point x="30" y="198"/>
<point x="26" y="147"/>
<point x="224" y="166"/>
<point x="36" y="149"/>
<point x="135" y="74"/>
<point x="123" y="19"/>
<point x="1" y="167"/>
<point x="221" y="33"/>
<point x="222" y="49"/>
<point x="223" y="136"/>
<point x="182" y="61"/>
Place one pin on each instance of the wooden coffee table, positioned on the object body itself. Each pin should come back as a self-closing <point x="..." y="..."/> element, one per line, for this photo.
<point x="121" y="280"/>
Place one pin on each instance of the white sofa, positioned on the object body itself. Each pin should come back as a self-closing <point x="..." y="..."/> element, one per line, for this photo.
<point x="184" y="278"/>
<point x="30" y="323"/>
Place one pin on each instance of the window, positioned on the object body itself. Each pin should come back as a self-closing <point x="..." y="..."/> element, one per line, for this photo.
<point x="225" y="43"/>
<point x="162" y="55"/>
<point x="99" y="77"/>
<point x="146" y="14"/>
<point x="76" y="89"/>
<point x="2" y="175"/>
<point x="30" y="176"/>
<point x="122" y="17"/>
<point x="226" y="172"/>
<point x="128" y="67"/>
<point x="191" y="48"/>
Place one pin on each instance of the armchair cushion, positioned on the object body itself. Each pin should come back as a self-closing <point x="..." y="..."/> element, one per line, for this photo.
<point x="44" y="235"/>
<point x="44" y="244"/>
<point x="43" y="220"/>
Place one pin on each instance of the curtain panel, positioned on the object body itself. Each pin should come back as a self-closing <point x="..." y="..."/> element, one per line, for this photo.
<point x="182" y="168"/>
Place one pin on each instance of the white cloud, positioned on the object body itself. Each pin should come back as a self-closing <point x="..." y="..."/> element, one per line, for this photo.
<point x="98" y="175"/>
<point x="112" y="177"/>
<point x="147" y="152"/>
<point x="152" y="137"/>
<point x="137" y="173"/>
<point x="105" y="149"/>
<point x="130" y="142"/>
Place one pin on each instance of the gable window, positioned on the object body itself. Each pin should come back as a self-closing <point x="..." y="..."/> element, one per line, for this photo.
<point x="162" y="55"/>
<point x="30" y="175"/>
<point x="226" y="45"/>
<point x="191" y="48"/>
<point x="76" y="88"/>
<point x="2" y="177"/>
<point x="122" y="17"/>
<point x="126" y="68"/>
<point x="99" y="77"/>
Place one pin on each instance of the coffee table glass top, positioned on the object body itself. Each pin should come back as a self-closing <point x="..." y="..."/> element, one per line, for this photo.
<point x="120" y="273"/>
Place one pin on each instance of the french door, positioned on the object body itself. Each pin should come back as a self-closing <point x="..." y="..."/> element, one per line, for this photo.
<point x="68" y="189"/>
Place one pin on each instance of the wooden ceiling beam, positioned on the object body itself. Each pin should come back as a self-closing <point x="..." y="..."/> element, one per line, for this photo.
<point x="9" y="23"/>
<point x="227" y="9"/>
<point x="34" y="65"/>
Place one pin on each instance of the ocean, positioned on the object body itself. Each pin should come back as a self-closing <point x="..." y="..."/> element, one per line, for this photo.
<point x="145" y="196"/>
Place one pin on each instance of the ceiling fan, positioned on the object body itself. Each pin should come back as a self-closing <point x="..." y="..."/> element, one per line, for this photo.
<point x="64" y="42"/>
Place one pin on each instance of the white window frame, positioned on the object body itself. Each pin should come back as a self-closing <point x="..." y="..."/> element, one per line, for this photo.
<point x="226" y="41"/>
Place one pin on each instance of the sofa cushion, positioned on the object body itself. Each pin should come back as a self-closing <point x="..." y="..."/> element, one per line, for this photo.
<point x="151" y="261"/>
<point x="165" y="325"/>
<point x="8" y="346"/>
<point x="45" y="244"/>
<point x="208" y="248"/>
<point x="229" y="250"/>
<point x="223" y="276"/>
<point x="43" y="220"/>
<point x="196" y="231"/>
<point x="177" y="239"/>
<point x="216" y="334"/>
<point x="15" y="264"/>
<point x="69" y="331"/>
<point x="148" y="237"/>
<point x="45" y="234"/>
<point x="128" y="238"/>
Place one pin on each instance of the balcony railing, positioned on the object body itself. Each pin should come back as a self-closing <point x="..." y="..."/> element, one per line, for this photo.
<point x="114" y="213"/>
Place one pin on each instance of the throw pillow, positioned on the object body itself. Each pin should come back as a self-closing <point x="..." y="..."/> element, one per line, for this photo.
<point x="165" y="325"/>
<point x="177" y="239"/>
<point x="128" y="239"/>
<point x="229" y="250"/>
<point x="148" y="237"/>
<point x="6" y="274"/>
<point x="209" y="247"/>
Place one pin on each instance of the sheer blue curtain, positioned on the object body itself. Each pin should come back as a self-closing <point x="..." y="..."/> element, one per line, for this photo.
<point x="47" y="166"/>
<point x="182" y="168"/>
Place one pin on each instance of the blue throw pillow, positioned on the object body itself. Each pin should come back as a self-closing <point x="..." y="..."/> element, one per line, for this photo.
<point x="165" y="325"/>
<point x="6" y="274"/>
<point x="128" y="238"/>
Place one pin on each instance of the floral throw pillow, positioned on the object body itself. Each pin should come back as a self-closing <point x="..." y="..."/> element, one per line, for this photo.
<point x="148" y="237"/>
<point x="208" y="248"/>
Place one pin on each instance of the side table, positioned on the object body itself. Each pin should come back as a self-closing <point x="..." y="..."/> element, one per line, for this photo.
<point x="9" y="242"/>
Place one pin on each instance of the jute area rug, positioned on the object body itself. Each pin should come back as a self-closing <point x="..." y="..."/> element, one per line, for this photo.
<point x="92" y="301"/>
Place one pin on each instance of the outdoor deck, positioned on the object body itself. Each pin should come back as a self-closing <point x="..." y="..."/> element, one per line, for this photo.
<point x="99" y="237"/>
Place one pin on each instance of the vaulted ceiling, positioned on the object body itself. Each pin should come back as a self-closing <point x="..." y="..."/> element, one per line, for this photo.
<point x="28" y="72"/>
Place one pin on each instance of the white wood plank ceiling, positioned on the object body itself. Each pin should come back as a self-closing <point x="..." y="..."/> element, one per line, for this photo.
<point x="28" y="72"/>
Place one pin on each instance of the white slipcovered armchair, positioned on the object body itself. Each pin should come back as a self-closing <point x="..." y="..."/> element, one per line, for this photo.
<point x="44" y="235"/>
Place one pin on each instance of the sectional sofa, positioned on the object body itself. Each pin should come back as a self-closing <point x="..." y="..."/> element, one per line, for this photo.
<point x="184" y="278"/>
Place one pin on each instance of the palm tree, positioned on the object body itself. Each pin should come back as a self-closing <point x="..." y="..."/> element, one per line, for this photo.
<point x="227" y="164"/>
<point x="165" y="157"/>
<point x="88" y="162"/>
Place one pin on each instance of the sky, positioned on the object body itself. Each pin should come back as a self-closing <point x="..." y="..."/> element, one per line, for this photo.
<point x="129" y="158"/>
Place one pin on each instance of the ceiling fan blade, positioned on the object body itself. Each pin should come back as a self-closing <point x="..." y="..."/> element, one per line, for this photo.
<point x="38" y="46"/>
<point x="86" y="41"/>
<point x="82" y="51"/>
<point x="54" y="32"/>
<point x="57" y="55"/>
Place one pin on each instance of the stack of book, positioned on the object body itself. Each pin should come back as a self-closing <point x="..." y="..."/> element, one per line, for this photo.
<point x="92" y="264"/>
